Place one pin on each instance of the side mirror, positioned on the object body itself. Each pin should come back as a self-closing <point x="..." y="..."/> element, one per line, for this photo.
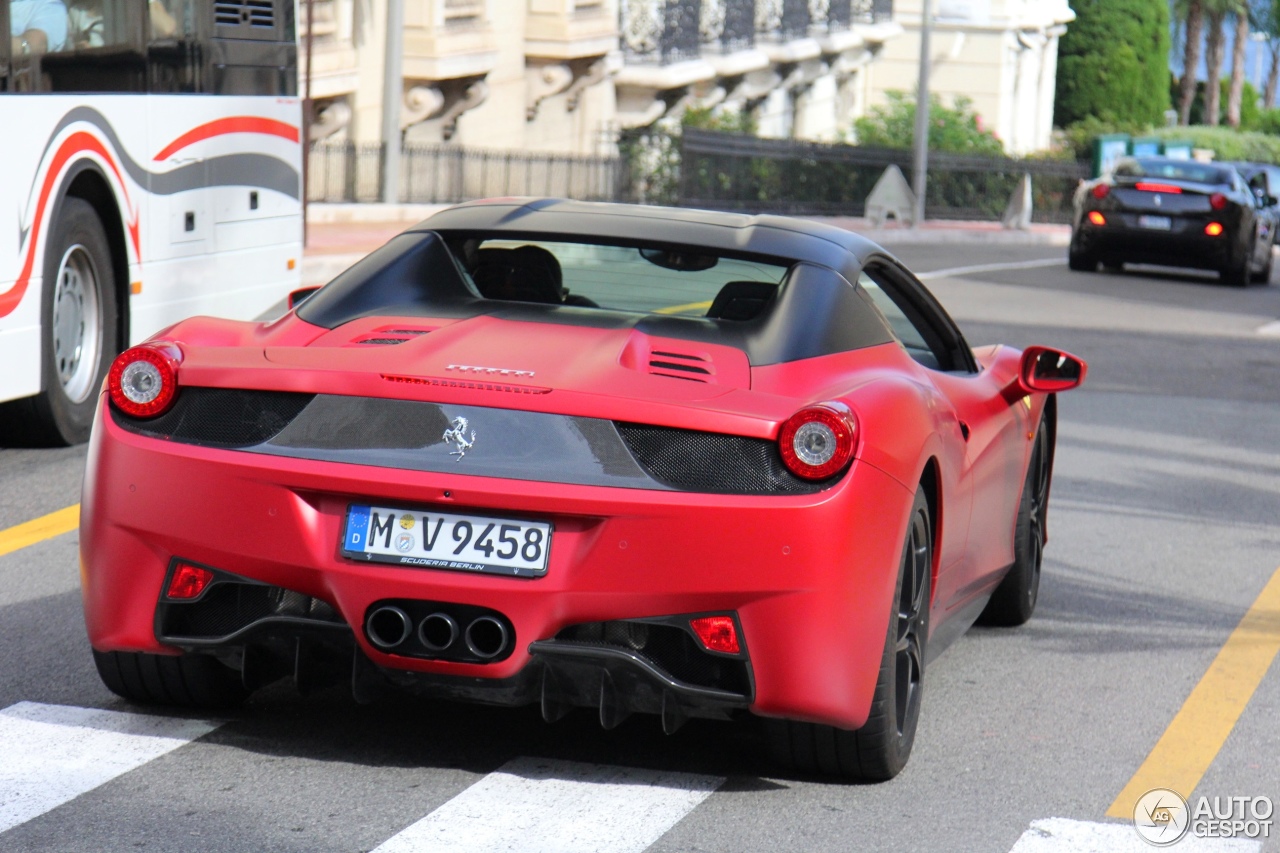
<point x="300" y="295"/>
<point x="1046" y="370"/>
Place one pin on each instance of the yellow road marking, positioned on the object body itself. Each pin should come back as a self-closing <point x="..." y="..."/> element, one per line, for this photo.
<point x="39" y="529"/>
<point x="1191" y="742"/>
<point x="680" y="309"/>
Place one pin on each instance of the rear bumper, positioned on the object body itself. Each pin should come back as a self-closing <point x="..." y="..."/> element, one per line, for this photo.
<point x="1185" y="244"/>
<point x="809" y="578"/>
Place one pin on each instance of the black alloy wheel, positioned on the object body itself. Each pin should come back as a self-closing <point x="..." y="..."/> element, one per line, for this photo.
<point x="879" y="750"/>
<point x="912" y="622"/>
<point x="1014" y="600"/>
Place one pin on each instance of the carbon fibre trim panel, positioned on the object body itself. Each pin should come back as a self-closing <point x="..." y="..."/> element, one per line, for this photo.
<point x="453" y="439"/>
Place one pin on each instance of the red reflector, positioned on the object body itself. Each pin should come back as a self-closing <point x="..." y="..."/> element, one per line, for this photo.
<point x="1100" y="190"/>
<point x="1213" y="229"/>
<point x="1158" y="188"/>
<point x="188" y="581"/>
<point x="1217" y="201"/>
<point x="1097" y="218"/>
<point x="717" y="633"/>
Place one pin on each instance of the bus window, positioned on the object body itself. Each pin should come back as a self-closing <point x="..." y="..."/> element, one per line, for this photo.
<point x="171" y="19"/>
<point x="95" y="47"/>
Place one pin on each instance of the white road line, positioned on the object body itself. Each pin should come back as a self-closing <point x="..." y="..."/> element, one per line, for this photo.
<point x="537" y="806"/>
<point x="1270" y="330"/>
<point x="1062" y="835"/>
<point x="1008" y="265"/>
<point x="55" y="753"/>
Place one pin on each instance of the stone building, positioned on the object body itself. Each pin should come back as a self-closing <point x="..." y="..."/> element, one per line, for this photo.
<point x="566" y="76"/>
<point x="1001" y="54"/>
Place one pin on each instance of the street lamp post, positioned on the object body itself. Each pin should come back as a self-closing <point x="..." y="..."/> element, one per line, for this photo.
<point x="920" y="161"/>
<point x="392" y="96"/>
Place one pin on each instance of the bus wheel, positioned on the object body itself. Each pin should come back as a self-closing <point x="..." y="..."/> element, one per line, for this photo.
<point x="79" y="326"/>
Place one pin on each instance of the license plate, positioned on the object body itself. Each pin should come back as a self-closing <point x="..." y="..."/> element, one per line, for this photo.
<point x="438" y="540"/>
<point x="1157" y="223"/>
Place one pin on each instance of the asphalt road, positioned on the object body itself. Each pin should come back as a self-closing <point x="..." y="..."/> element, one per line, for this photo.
<point x="1165" y="527"/>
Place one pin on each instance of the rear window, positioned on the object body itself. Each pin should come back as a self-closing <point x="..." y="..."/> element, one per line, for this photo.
<point x="1178" y="170"/>
<point x="650" y="280"/>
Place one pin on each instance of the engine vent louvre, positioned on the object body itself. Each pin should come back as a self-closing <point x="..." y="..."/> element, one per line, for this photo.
<point x="387" y="336"/>
<point x="676" y="365"/>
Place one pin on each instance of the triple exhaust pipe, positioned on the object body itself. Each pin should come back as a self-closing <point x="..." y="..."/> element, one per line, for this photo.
<point x="391" y="628"/>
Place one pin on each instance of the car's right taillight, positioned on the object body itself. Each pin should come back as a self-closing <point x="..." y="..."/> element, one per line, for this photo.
<point x="143" y="381"/>
<point x="817" y="442"/>
<point x="1217" y="201"/>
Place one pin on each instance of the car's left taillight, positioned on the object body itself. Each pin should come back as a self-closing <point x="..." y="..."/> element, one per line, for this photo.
<point x="143" y="381"/>
<point x="817" y="442"/>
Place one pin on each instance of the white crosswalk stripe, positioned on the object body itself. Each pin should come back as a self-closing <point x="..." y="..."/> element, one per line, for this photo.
<point x="1062" y="835"/>
<point x="543" y="806"/>
<point x="55" y="753"/>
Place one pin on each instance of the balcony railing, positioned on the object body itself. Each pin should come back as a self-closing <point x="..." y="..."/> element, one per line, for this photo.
<point x="660" y="30"/>
<point x="671" y="30"/>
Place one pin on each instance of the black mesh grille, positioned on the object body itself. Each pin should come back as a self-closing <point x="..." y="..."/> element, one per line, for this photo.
<point x="220" y="417"/>
<point x="250" y="13"/>
<point x="228" y="607"/>
<point x="670" y="648"/>
<point x="710" y="462"/>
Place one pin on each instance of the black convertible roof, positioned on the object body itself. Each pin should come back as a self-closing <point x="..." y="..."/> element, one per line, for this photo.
<point x="819" y="310"/>
<point x="772" y="236"/>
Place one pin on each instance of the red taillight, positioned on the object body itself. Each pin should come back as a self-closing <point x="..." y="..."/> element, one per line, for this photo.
<point x="144" y="380"/>
<point x="717" y="633"/>
<point x="1097" y="218"/>
<point x="1217" y="201"/>
<point x="1100" y="190"/>
<point x="1148" y="187"/>
<point x="1214" y="229"/>
<point x="818" y="441"/>
<point x="188" y="581"/>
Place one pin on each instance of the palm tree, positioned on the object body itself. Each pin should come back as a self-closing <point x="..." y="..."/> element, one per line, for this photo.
<point x="1191" y="11"/>
<point x="1216" y="12"/>
<point x="1267" y="14"/>
<point x="1236" y="92"/>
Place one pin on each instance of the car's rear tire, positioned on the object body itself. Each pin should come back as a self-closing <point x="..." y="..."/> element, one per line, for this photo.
<point x="879" y="750"/>
<point x="189" y="680"/>
<point x="80" y="327"/>
<point x="1014" y="600"/>
<point x="1081" y="261"/>
<point x="1237" y="274"/>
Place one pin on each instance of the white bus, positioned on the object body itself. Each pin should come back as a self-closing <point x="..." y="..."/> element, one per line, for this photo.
<point x="150" y="169"/>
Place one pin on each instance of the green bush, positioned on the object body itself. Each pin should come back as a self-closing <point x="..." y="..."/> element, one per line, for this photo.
<point x="1113" y="63"/>
<point x="1227" y="143"/>
<point x="957" y="129"/>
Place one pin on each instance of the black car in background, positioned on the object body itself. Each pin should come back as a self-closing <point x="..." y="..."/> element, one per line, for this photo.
<point x="1154" y="210"/>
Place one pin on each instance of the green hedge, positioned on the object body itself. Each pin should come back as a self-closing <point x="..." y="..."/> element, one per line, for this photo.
<point x="1226" y="143"/>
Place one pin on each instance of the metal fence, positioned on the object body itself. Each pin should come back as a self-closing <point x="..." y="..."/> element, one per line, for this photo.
<point x="698" y="168"/>
<point x="348" y="171"/>
<point x="733" y="172"/>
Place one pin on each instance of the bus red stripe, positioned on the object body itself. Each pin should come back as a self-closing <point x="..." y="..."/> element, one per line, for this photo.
<point x="234" y="124"/>
<point x="74" y="144"/>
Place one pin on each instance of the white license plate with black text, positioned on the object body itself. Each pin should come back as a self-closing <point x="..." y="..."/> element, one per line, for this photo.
<point x="437" y="540"/>
<point x="1155" y="223"/>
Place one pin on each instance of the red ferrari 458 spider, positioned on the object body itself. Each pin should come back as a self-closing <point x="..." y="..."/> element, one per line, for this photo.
<point x="637" y="459"/>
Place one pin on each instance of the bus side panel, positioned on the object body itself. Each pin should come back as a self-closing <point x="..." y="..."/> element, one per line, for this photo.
<point x="49" y="139"/>
<point x="227" y="238"/>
